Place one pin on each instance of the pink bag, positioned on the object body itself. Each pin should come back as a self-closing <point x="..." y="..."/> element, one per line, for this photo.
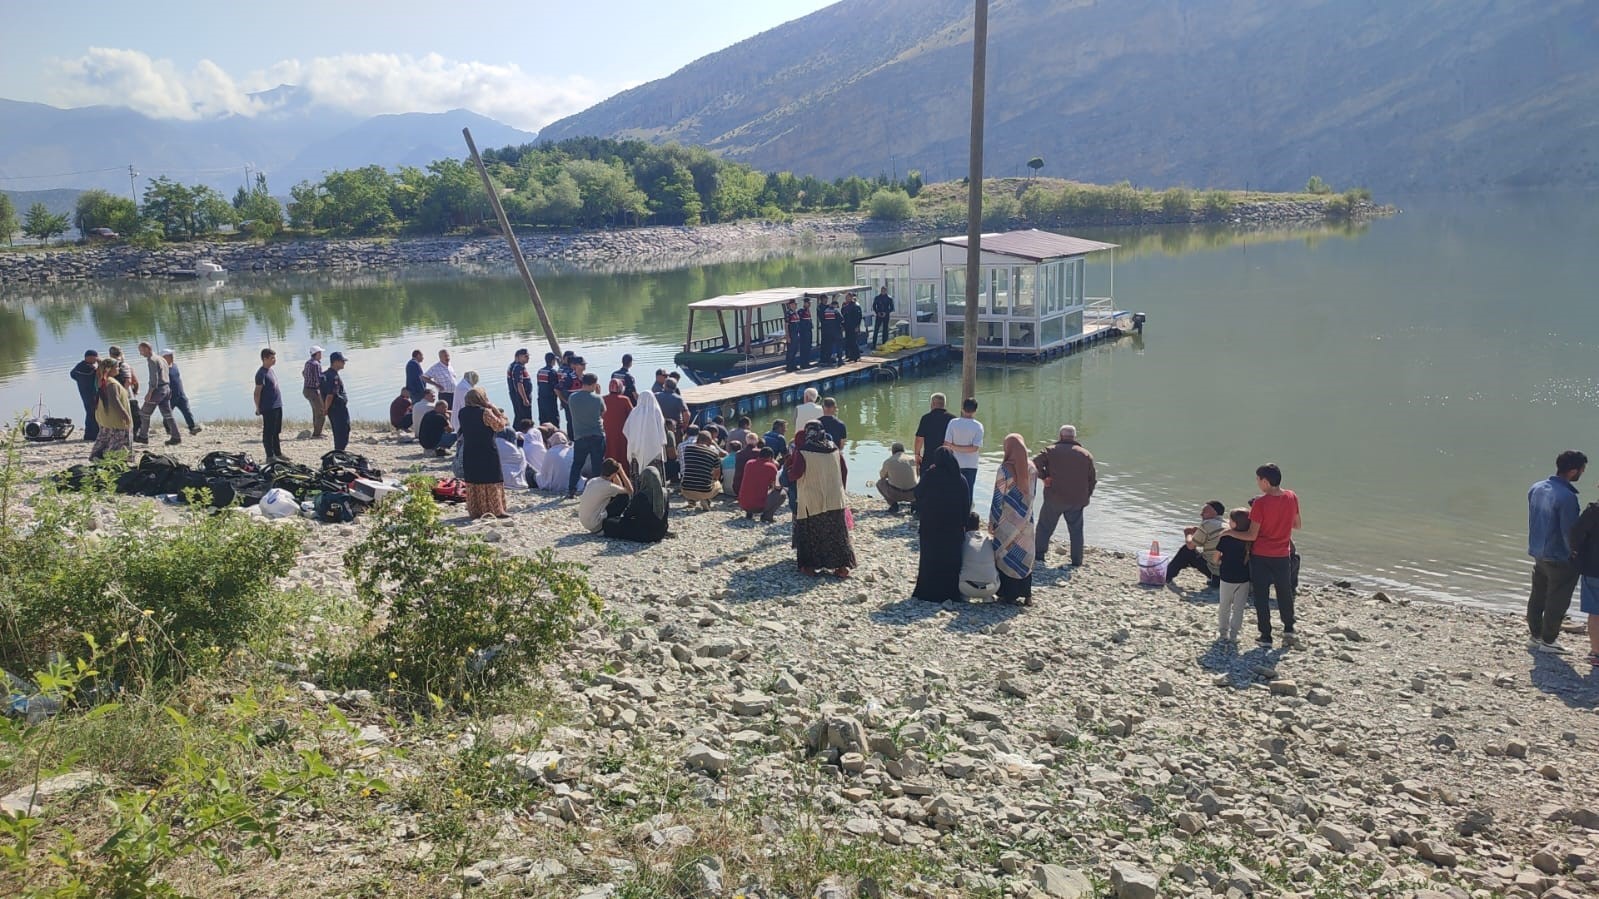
<point x="1152" y="567"/>
<point x="849" y="518"/>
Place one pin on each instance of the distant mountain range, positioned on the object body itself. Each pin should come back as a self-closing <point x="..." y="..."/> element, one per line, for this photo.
<point x="1208" y="93"/>
<point x="46" y="147"/>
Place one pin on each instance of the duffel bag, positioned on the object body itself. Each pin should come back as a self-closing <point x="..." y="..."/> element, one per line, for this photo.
<point x="334" y="508"/>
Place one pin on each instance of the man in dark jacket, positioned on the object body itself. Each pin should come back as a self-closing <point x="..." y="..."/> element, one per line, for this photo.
<point x="832" y="327"/>
<point x="1584" y="542"/>
<point x="851" y="313"/>
<point x="83" y="374"/>
<point x="335" y="402"/>
<point x="882" y="308"/>
<point x="180" y="397"/>
<point x="1067" y="470"/>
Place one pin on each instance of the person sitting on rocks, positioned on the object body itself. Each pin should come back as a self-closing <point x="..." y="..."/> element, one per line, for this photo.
<point x="532" y="451"/>
<point x="702" y="463"/>
<point x="742" y="459"/>
<point x="604" y="497"/>
<point x="896" y="480"/>
<point x="758" y="491"/>
<point x="777" y="439"/>
<point x="557" y="467"/>
<point x="644" y="519"/>
<point x="400" y="414"/>
<point x="1199" y="545"/>
<point x="730" y="467"/>
<point x="435" y="432"/>
<point x="979" y="575"/>
<point x="419" y="411"/>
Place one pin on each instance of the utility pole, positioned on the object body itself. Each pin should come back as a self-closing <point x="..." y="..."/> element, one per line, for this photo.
<point x="974" y="205"/>
<point x="516" y="248"/>
<point x="132" y="190"/>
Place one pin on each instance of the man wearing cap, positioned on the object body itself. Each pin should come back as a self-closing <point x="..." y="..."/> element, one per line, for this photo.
<point x="571" y="382"/>
<point x="520" y="386"/>
<point x="660" y="381"/>
<point x="311" y="382"/>
<point x="807" y="334"/>
<point x="84" y="374"/>
<point x="549" y="403"/>
<point x="336" y="404"/>
<point x="180" y="397"/>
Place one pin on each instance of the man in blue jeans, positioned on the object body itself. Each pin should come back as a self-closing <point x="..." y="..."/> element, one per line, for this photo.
<point x="587" y="412"/>
<point x="1552" y="511"/>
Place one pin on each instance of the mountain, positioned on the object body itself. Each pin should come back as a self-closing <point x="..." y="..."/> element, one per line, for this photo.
<point x="1224" y="93"/>
<point x="290" y="139"/>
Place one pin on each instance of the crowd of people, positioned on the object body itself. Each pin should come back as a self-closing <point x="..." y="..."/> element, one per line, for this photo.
<point x="113" y="417"/>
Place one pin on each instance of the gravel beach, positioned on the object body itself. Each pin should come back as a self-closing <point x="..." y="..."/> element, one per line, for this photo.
<point x="1099" y="742"/>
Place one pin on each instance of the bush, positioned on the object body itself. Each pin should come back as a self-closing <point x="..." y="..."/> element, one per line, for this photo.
<point x="1218" y="202"/>
<point x="1317" y="186"/>
<point x="1177" y="201"/>
<point x="459" y="618"/>
<point x="891" y="205"/>
<point x="999" y="210"/>
<point x="184" y="594"/>
<point x="1339" y="207"/>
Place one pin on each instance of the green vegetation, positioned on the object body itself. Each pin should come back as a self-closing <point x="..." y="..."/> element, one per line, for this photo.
<point x="43" y="224"/>
<point x="184" y="212"/>
<point x="891" y="205"/>
<point x="103" y="209"/>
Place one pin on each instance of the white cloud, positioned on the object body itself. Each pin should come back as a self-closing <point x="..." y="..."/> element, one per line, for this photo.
<point x="365" y="83"/>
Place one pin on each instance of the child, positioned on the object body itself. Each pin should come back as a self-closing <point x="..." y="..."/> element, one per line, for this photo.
<point x="1232" y="562"/>
<point x="979" y="577"/>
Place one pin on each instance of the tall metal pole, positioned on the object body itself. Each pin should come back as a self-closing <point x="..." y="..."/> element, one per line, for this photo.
<point x="516" y="248"/>
<point x="974" y="205"/>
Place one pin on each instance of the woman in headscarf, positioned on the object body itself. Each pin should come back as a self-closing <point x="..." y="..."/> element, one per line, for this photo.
<point x="480" y="458"/>
<point x="110" y="412"/>
<point x="821" y="531"/>
<point x="1010" y="521"/>
<point x="513" y="462"/>
<point x="617" y="409"/>
<point x="557" y="466"/>
<point x="942" y="504"/>
<point x="644" y="519"/>
<point x="462" y="388"/>
<point x="645" y="433"/>
<point x="533" y="451"/>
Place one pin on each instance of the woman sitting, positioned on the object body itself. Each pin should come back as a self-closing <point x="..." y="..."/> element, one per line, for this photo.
<point x="644" y="518"/>
<point x="533" y="450"/>
<point x="979" y="576"/>
<point x="821" y="530"/>
<point x="604" y="497"/>
<point x="557" y="462"/>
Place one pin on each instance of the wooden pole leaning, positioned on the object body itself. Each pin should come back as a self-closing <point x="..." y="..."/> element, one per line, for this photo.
<point x="974" y="205"/>
<point x="516" y="248"/>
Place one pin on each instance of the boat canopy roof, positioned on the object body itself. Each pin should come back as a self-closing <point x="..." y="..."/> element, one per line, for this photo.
<point x="753" y="298"/>
<point x="1033" y="245"/>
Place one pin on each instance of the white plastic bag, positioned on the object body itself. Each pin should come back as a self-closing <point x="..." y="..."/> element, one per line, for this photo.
<point x="1152" y="566"/>
<point x="279" y="503"/>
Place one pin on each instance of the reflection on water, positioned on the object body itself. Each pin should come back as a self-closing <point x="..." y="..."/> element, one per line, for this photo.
<point x="1412" y="375"/>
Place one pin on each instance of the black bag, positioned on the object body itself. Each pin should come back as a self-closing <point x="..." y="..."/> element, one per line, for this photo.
<point x="249" y="489"/>
<point x="166" y="474"/>
<point x="223" y="493"/>
<point x="226" y="465"/>
<point x="298" y="479"/>
<point x="73" y="478"/>
<point x="353" y="461"/>
<point x="334" y="508"/>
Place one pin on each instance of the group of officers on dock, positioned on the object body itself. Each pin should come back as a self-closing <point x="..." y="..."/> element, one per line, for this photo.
<point x="836" y="326"/>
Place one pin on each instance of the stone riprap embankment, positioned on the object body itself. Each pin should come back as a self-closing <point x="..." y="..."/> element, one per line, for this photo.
<point x="632" y="249"/>
<point x="1099" y="743"/>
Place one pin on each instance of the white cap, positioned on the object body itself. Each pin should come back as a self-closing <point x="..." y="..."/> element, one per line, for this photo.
<point x="315" y="350"/>
<point x="166" y="352"/>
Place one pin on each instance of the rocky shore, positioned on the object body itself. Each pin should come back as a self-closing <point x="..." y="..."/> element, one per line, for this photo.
<point x="634" y="249"/>
<point x="726" y="716"/>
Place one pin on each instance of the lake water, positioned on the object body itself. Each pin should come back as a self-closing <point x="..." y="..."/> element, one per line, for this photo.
<point x="1412" y="376"/>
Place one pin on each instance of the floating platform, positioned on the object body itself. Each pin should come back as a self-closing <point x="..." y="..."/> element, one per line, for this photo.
<point x="1095" y="330"/>
<point x="774" y="388"/>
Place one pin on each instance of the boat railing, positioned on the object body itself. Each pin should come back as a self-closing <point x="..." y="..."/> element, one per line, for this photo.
<point x="1099" y="309"/>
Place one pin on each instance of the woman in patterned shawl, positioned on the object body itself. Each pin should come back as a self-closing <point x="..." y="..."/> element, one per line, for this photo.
<point x="1010" y="520"/>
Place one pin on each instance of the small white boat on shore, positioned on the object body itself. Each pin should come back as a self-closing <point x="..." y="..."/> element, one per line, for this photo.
<point x="206" y="269"/>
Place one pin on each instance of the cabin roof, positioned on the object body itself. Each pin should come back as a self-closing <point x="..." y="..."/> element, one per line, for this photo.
<point x="753" y="298"/>
<point x="1032" y="244"/>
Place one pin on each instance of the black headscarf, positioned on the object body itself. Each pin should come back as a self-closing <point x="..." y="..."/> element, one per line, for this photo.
<point x="942" y="504"/>
<point x="816" y="439"/>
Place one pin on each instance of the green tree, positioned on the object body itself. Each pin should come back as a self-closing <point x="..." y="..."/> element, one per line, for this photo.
<point x="673" y="199"/>
<point x="211" y="211"/>
<point x="103" y="209"/>
<point x="891" y="205"/>
<point x="9" y="225"/>
<point x="44" y="224"/>
<point x="1033" y="165"/>
<point x="737" y="195"/>
<point x="169" y="205"/>
<point x="305" y="205"/>
<point x="453" y="198"/>
<point x="261" y="210"/>
<point x="913" y="183"/>
<point x="358" y="201"/>
<point x="1317" y="186"/>
<point x="609" y="195"/>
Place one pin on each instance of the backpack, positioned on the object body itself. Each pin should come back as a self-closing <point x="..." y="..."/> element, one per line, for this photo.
<point x="354" y="461"/>
<point x="450" y="490"/>
<point x="226" y="465"/>
<point x="164" y="474"/>
<point x="334" y="508"/>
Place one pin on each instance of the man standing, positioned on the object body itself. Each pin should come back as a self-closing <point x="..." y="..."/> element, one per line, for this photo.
<point x="269" y="405"/>
<point x="180" y="397"/>
<point x="931" y="429"/>
<point x="660" y="381"/>
<point x="791" y="320"/>
<point x="1067" y="470"/>
<point x="1273" y="518"/>
<point x="830" y="423"/>
<point x="673" y="409"/>
<point x="549" y="404"/>
<point x="414" y="381"/>
<point x="882" y="309"/>
<point x="129" y="381"/>
<point x="852" y="316"/>
<point x="831" y="324"/>
<point x="1552" y="512"/>
<point x="520" y="385"/>
<point x="1199" y="543"/>
<point x="572" y="382"/>
<point x="587" y="411"/>
<point x="443" y="378"/>
<point x="158" y="396"/>
<point x="807" y="331"/>
<point x="311" y="378"/>
<point x="85" y="375"/>
<point x="964" y="437"/>
<point x="336" y="402"/>
<point x="625" y="375"/>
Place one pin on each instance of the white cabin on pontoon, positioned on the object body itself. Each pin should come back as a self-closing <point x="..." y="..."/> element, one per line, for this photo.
<point x="1032" y="297"/>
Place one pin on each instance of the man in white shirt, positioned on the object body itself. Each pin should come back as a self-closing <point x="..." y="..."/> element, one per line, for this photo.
<point x="964" y="437"/>
<point x="443" y="378"/>
<point x="598" y="493"/>
<point x="808" y="411"/>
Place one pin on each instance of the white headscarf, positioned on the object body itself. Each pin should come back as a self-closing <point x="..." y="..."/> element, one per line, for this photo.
<point x="462" y="387"/>
<point x="645" y="431"/>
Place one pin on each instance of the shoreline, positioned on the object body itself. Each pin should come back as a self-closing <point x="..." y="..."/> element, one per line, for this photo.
<point x="1101" y="731"/>
<point x="632" y="249"/>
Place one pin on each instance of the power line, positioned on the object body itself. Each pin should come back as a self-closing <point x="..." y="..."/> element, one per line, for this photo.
<point x="115" y="168"/>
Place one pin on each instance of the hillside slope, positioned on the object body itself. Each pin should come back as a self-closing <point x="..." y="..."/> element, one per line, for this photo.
<point x="1430" y="93"/>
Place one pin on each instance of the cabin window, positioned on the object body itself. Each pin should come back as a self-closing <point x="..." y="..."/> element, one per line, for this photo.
<point x="999" y="290"/>
<point x="1077" y="282"/>
<point x="1073" y="323"/>
<point x="926" y="301"/>
<point x="955" y="292"/>
<point x="1024" y="302"/>
<point x="1024" y="335"/>
<point x="954" y="332"/>
<point x="1051" y="331"/>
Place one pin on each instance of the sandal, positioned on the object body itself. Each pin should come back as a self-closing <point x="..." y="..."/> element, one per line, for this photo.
<point x="841" y="572"/>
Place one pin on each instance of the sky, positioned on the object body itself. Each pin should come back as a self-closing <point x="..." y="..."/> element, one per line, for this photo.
<point x="525" y="63"/>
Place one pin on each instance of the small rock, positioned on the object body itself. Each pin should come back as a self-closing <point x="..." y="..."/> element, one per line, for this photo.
<point x="1437" y="852"/>
<point x="1062" y="883"/>
<point x="1131" y="882"/>
<point x="700" y="757"/>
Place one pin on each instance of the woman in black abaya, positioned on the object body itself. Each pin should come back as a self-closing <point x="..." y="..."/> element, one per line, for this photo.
<point x="942" y="504"/>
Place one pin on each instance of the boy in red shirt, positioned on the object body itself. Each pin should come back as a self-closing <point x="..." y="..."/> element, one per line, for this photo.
<point x="1273" y="518"/>
<point x="757" y="490"/>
